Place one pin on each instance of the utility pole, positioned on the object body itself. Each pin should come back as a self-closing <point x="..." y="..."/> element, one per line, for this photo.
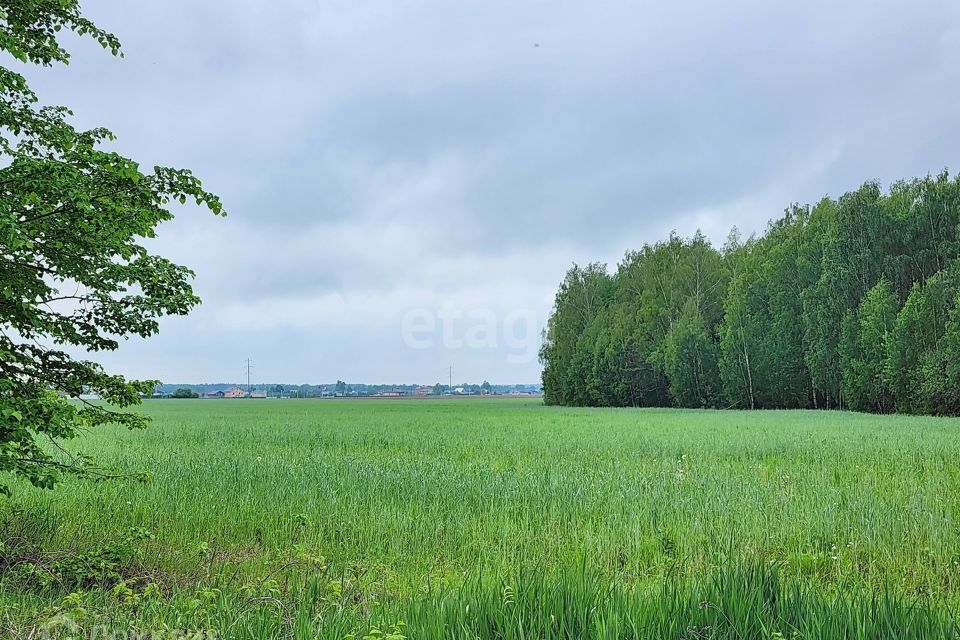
<point x="450" y="388"/>
<point x="249" y="364"/>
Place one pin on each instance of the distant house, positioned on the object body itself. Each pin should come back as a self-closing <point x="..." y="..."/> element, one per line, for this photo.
<point x="392" y="393"/>
<point x="258" y="394"/>
<point x="233" y="392"/>
<point x="421" y="392"/>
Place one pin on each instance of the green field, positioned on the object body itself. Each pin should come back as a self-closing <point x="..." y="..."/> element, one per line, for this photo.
<point x="496" y="519"/>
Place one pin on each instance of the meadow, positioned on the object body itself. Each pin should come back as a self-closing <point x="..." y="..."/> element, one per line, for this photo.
<point x="494" y="518"/>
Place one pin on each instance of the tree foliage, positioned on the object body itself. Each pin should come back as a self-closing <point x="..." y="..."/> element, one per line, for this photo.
<point x="73" y="268"/>
<point x="850" y="303"/>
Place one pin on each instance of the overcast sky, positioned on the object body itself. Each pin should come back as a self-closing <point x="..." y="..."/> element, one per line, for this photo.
<point x="408" y="181"/>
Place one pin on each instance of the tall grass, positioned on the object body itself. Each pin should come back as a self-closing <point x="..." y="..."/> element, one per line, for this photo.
<point x="507" y="519"/>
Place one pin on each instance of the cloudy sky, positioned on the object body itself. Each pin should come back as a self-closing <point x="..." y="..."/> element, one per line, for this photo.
<point x="407" y="181"/>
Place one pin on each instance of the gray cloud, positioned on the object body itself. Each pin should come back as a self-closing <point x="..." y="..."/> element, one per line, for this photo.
<point x="381" y="156"/>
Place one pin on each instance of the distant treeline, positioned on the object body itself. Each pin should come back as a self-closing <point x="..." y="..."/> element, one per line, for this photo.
<point x="343" y="388"/>
<point x="851" y="304"/>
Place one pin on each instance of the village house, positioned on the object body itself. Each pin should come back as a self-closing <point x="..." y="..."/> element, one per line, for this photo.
<point x="233" y="392"/>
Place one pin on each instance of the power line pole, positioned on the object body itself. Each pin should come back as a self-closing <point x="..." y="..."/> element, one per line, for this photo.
<point x="249" y="364"/>
<point x="451" y="380"/>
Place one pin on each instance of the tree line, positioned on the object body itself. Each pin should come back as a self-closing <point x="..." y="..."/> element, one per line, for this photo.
<point x="851" y="303"/>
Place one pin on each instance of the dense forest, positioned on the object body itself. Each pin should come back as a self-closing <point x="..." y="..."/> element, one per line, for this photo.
<point x="852" y="303"/>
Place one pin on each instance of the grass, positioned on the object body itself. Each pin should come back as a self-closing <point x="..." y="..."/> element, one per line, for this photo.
<point x="497" y="519"/>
